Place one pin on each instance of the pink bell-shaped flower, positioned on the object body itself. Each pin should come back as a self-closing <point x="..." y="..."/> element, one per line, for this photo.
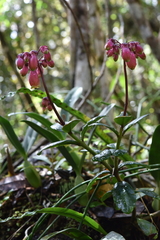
<point x="47" y="56"/>
<point x="110" y="52"/>
<point x="24" y="70"/>
<point x="44" y="49"/>
<point x="27" y="56"/>
<point x="142" y="55"/>
<point x="44" y="63"/>
<point x="132" y="62"/>
<point x="126" y="54"/>
<point x="34" y="79"/>
<point x="109" y="44"/>
<point x="19" y="62"/>
<point x="139" y="48"/>
<point x="33" y="62"/>
<point x="115" y="57"/>
<point x="51" y="63"/>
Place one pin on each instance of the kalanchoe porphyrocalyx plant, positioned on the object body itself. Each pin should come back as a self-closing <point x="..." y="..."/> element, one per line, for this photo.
<point x="32" y="63"/>
<point x="129" y="51"/>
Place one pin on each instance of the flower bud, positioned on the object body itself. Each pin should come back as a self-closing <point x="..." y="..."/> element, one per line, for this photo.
<point x="109" y="44"/>
<point x="132" y="62"/>
<point x="47" y="56"/>
<point x="142" y="55"/>
<point x="49" y="107"/>
<point x="46" y="104"/>
<point x="34" y="79"/>
<point x="33" y="52"/>
<point x="139" y="48"/>
<point x="44" y="101"/>
<point x="126" y="54"/>
<point x="39" y="72"/>
<point x="24" y="70"/>
<point x="132" y="46"/>
<point x="43" y="63"/>
<point x="20" y="62"/>
<point x="27" y="56"/>
<point x="51" y="63"/>
<point x="44" y="49"/>
<point x="116" y="50"/>
<point x="110" y="52"/>
<point x="115" y="57"/>
<point x="33" y="62"/>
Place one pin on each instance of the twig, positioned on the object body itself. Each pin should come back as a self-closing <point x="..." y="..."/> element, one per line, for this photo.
<point x="60" y="120"/>
<point x="151" y="215"/>
<point x="14" y="234"/>
<point x="126" y="89"/>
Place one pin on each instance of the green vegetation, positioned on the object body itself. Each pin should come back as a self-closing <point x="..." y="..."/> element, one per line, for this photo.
<point x="79" y="120"/>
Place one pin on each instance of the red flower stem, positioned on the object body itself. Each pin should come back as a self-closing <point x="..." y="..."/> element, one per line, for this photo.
<point x="116" y="173"/>
<point x="126" y="89"/>
<point x="49" y="98"/>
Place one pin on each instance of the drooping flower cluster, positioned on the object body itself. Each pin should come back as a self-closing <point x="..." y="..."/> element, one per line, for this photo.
<point x="28" y="62"/>
<point x="46" y="105"/>
<point x="129" y="51"/>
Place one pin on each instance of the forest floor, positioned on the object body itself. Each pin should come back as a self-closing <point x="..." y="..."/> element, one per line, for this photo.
<point x="17" y="197"/>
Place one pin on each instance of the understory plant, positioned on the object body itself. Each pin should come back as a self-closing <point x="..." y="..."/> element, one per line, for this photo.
<point x="118" y="164"/>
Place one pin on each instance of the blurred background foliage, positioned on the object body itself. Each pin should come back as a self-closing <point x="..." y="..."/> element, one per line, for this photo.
<point x="28" y="24"/>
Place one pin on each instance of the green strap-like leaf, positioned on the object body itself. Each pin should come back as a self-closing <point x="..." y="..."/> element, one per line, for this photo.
<point x="105" y="125"/>
<point x="70" y="125"/>
<point x="72" y="96"/>
<point x="148" y="192"/>
<point x="133" y="122"/>
<point x="86" y="126"/>
<point x="70" y="156"/>
<point x="94" y="179"/>
<point x="132" y="164"/>
<point x="154" y="153"/>
<point x="75" y="215"/>
<point x="73" y="233"/>
<point x="84" y="199"/>
<point x="58" y="144"/>
<point x="29" y="139"/>
<point x="96" y="119"/>
<point x="44" y="121"/>
<point x="12" y="136"/>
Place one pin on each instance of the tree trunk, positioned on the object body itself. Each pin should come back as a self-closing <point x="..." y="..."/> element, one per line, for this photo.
<point x="97" y="37"/>
<point x="80" y="70"/>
